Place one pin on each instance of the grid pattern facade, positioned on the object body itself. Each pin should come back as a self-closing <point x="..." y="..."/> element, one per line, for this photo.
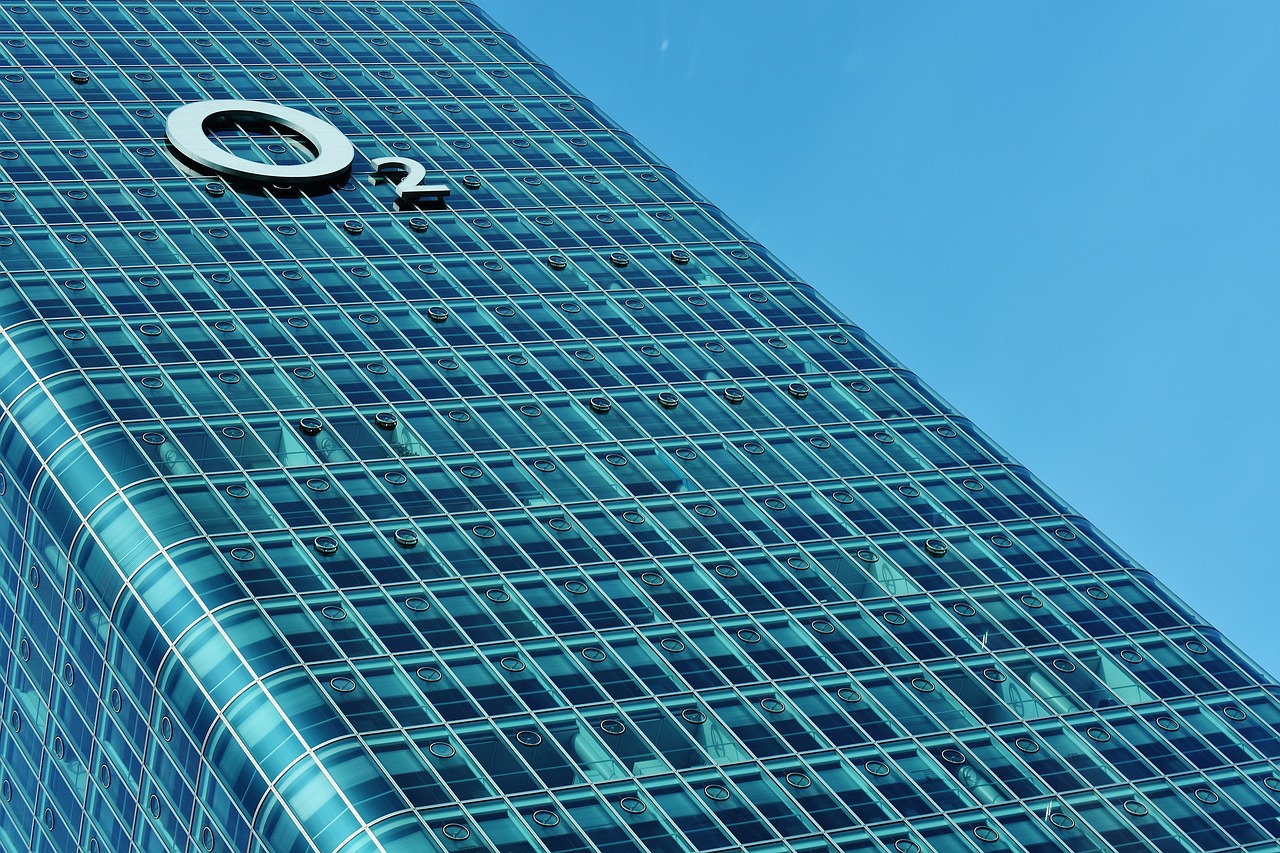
<point x="560" y="517"/>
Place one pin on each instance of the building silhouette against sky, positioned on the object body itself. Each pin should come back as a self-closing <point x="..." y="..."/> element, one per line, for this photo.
<point x="425" y="467"/>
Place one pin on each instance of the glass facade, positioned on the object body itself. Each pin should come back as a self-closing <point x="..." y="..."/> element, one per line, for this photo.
<point x="549" y="514"/>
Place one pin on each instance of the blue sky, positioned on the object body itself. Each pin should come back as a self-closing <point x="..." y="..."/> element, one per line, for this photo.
<point x="1065" y="217"/>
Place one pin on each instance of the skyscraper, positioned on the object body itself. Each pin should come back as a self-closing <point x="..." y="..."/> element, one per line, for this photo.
<point x="397" y="457"/>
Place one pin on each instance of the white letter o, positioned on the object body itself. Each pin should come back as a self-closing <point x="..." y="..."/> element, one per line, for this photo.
<point x="185" y="131"/>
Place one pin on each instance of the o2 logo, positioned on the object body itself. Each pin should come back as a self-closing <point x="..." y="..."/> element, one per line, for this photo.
<point x="185" y="130"/>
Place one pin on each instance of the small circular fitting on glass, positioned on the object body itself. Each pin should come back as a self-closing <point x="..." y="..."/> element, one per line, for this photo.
<point x="497" y="596"/>
<point x="993" y="675"/>
<point x="866" y="555"/>
<point x="1097" y="734"/>
<point x="342" y="684"/>
<point x="593" y="654"/>
<point x="543" y="817"/>
<point x="877" y="768"/>
<point x="546" y="466"/>
<point x="1063" y="665"/>
<point x="671" y="644"/>
<point x="795" y="389"/>
<point x="848" y="694"/>
<point x="1031" y="601"/>
<point x="748" y="635"/>
<point x="986" y="833"/>
<point x="680" y="256"/>
<point x="719" y="793"/>
<point x="1026" y="745"/>
<point x="893" y="617"/>
<point x="726" y="571"/>
<point x="236" y="490"/>
<point x="406" y="538"/>
<point x="512" y="664"/>
<point x="924" y="685"/>
<point x="472" y="182"/>
<point x="311" y="425"/>
<point x="1065" y="534"/>
<point x="632" y="805"/>
<point x="1130" y="656"/>
<point x="632" y="517"/>
<point x="242" y="555"/>
<point x="772" y="705"/>
<point x="441" y="749"/>
<point x="385" y="420"/>
<point x="775" y="504"/>
<point x="700" y="301"/>
<point x="1196" y="647"/>
<point x="419" y="223"/>
<point x="963" y="609"/>
<point x="1001" y="541"/>
<point x="668" y="399"/>
<point x="438" y="313"/>
<point x="705" y="510"/>
<point x="1061" y="821"/>
<point x="151" y="330"/>
<point x="1169" y="724"/>
<point x="528" y="738"/>
<point x="417" y="604"/>
<point x="326" y="545"/>
<point x="618" y="259"/>
<point x="600" y="405"/>
<point x="153" y="438"/>
<point x="1097" y="593"/>
<point x="734" y="395"/>
<point x="353" y="226"/>
<point x="576" y="587"/>
<point x="79" y="76"/>
<point x="612" y="727"/>
<point x="73" y="334"/>
<point x="905" y="845"/>
<point x="557" y="262"/>
<point x="652" y="579"/>
<point x="798" y="780"/>
<point x="1231" y="712"/>
<point x="456" y="832"/>
<point x="1134" y="807"/>
<point x="936" y="547"/>
<point x="396" y="478"/>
